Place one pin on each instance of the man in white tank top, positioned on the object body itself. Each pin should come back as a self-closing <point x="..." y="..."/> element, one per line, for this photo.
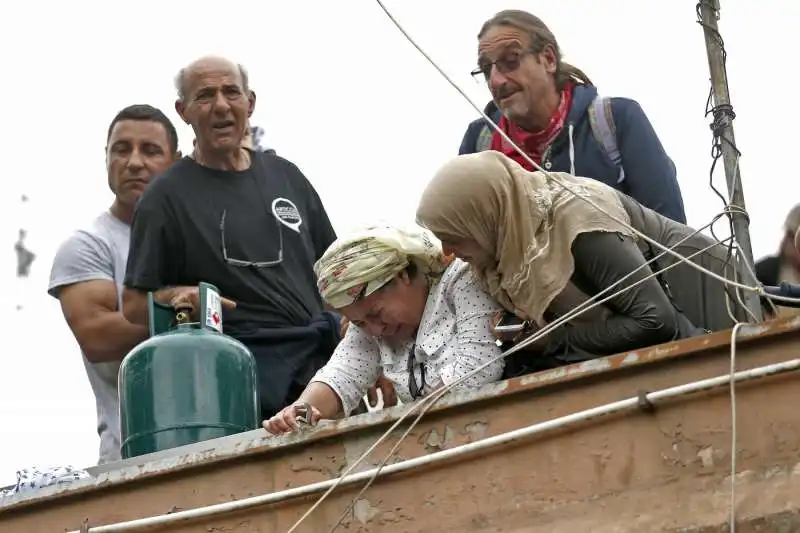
<point x="89" y="267"/>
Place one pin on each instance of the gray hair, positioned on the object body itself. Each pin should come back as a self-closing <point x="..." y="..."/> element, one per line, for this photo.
<point x="540" y="36"/>
<point x="180" y="81"/>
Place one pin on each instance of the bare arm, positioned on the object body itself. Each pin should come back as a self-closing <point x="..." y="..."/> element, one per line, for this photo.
<point x="321" y="396"/>
<point x="103" y="333"/>
<point x="82" y="280"/>
<point x="324" y="403"/>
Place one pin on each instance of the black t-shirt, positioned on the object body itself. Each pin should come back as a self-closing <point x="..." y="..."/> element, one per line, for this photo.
<point x="176" y="238"/>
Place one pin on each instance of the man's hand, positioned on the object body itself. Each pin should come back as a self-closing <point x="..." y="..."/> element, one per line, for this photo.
<point x="286" y="420"/>
<point x="387" y="391"/>
<point x="189" y="298"/>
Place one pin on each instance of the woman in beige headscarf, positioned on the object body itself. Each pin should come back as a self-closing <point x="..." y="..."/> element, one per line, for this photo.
<point x="540" y="250"/>
<point x="421" y="319"/>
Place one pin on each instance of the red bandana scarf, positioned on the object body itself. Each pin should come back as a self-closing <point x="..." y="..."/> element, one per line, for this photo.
<point x="534" y="144"/>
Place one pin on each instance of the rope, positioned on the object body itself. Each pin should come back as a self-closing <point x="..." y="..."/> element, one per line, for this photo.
<point x="734" y="445"/>
<point x="424" y="405"/>
<point x="428" y="402"/>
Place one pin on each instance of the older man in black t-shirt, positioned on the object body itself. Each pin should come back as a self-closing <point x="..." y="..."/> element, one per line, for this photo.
<point x="247" y="221"/>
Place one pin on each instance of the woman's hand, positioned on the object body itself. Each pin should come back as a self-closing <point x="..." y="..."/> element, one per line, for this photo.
<point x="343" y="325"/>
<point x="387" y="391"/>
<point x="286" y="420"/>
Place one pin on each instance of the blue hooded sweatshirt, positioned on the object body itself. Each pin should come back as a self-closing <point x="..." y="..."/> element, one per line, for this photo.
<point x="650" y="176"/>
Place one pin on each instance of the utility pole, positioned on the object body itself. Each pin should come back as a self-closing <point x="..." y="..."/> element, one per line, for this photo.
<point x="723" y="128"/>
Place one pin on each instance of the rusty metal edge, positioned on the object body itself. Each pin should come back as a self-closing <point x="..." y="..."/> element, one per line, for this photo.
<point x="243" y="445"/>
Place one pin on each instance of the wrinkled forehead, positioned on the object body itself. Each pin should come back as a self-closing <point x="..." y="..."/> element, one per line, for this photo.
<point x="502" y="39"/>
<point x="213" y="74"/>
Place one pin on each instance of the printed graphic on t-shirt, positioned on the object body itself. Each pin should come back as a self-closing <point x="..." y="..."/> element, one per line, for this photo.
<point x="287" y="214"/>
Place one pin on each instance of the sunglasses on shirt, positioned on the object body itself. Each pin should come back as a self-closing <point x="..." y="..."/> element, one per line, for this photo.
<point x="254" y="264"/>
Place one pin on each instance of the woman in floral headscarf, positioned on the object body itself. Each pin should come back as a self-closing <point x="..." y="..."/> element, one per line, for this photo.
<point x="541" y="251"/>
<point x="416" y="316"/>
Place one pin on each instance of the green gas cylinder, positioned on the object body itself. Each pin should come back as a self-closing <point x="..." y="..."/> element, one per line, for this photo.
<point x="188" y="382"/>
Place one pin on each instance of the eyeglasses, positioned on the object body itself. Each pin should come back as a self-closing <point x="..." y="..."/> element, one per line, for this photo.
<point x="414" y="388"/>
<point x="506" y="64"/>
<point x="254" y="264"/>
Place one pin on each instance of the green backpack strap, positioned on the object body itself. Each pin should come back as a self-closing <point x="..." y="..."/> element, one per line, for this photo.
<point x="601" y="121"/>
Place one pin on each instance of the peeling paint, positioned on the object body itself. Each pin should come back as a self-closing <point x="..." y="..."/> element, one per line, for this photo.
<point x="662" y="350"/>
<point x="476" y="430"/>
<point x="631" y="358"/>
<point x="770" y="473"/>
<point x="434" y="441"/>
<point x="586" y="367"/>
<point x="354" y="431"/>
<point x="395" y="516"/>
<point x="750" y="330"/>
<point x="354" y="448"/>
<point x="364" y="512"/>
<point x="773" y="473"/>
<point x="706" y="456"/>
<point x="327" y="468"/>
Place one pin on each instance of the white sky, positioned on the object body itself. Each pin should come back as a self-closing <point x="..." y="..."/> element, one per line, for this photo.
<point x="344" y="96"/>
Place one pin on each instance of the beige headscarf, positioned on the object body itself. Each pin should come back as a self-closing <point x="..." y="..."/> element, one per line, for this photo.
<point x="792" y="222"/>
<point x="355" y="266"/>
<point x="524" y="220"/>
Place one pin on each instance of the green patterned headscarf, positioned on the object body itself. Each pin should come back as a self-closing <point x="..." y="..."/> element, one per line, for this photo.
<point x="355" y="266"/>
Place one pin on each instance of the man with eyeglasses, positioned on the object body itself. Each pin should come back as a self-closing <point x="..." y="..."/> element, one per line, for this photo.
<point x="552" y="111"/>
<point x="248" y="222"/>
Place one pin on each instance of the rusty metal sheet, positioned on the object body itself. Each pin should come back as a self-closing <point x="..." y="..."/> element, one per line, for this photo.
<point x="252" y="463"/>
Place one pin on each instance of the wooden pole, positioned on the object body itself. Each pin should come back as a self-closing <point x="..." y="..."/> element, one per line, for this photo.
<point x="723" y="127"/>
